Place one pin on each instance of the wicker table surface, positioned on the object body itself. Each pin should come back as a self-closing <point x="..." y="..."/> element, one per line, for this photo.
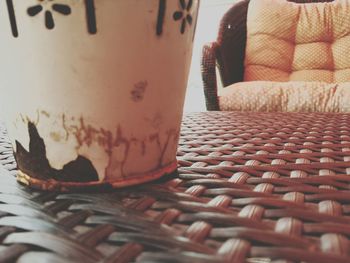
<point x="251" y="187"/>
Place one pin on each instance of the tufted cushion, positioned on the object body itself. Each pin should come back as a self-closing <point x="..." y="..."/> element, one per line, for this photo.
<point x="293" y="96"/>
<point x="298" y="42"/>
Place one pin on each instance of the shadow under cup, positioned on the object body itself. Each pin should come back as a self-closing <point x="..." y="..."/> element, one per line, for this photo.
<point x="93" y="91"/>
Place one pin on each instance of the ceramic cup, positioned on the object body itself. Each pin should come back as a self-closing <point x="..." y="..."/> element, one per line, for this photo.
<point x="92" y="91"/>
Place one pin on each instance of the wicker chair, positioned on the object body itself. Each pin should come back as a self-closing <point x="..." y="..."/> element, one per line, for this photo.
<point x="227" y="53"/>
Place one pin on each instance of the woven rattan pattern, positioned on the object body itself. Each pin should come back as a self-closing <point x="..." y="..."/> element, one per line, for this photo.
<point x="251" y="187"/>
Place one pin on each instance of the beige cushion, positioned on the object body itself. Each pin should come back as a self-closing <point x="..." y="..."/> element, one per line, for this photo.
<point x="301" y="42"/>
<point x="286" y="96"/>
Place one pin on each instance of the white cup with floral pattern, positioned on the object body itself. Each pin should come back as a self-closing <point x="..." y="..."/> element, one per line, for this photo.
<point x="92" y="91"/>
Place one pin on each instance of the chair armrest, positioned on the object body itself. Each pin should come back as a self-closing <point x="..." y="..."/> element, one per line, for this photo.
<point x="231" y="40"/>
<point x="208" y="69"/>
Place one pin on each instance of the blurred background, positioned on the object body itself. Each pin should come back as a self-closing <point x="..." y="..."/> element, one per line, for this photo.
<point x="210" y="13"/>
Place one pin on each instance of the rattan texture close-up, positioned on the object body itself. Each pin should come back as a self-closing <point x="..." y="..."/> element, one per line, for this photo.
<point x="250" y="187"/>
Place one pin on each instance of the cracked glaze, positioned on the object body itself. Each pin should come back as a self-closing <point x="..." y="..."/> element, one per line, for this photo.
<point x="114" y="153"/>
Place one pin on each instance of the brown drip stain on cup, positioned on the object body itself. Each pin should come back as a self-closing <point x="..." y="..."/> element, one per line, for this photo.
<point x="78" y="175"/>
<point x="35" y="169"/>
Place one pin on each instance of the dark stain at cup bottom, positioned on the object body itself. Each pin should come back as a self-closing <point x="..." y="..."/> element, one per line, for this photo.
<point x="35" y="164"/>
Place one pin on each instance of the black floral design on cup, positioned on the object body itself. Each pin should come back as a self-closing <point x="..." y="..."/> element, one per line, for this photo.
<point x="62" y="9"/>
<point x="12" y="17"/>
<point x="91" y="16"/>
<point x="184" y="14"/>
<point x="161" y="15"/>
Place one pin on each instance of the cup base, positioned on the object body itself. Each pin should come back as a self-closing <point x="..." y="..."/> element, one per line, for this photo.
<point x="53" y="185"/>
